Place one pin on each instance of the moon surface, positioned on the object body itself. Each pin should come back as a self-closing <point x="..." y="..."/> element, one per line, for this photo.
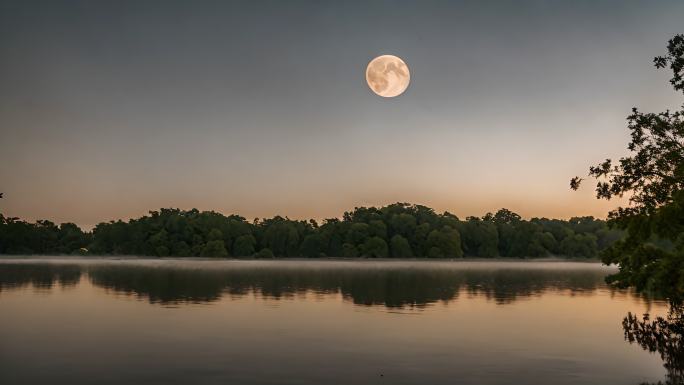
<point x="388" y="76"/>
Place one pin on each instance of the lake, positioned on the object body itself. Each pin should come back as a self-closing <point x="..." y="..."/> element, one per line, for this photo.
<point x="134" y="321"/>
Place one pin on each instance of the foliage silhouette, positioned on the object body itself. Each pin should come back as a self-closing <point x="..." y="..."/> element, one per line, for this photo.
<point x="662" y="335"/>
<point x="400" y="230"/>
<point x="651" y="256"/>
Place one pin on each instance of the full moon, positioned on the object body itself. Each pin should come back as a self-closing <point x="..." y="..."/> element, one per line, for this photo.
<point x="388" y="76"/>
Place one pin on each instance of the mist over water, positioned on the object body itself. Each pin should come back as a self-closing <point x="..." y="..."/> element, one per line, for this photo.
<point x="306" y="322"/>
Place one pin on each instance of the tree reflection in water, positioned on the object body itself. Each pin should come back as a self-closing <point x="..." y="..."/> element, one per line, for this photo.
<point x="42" y="276"/>
<point x="662" y="335"/>
<point x="388" y="287"/>
<point x="392" y="286"/>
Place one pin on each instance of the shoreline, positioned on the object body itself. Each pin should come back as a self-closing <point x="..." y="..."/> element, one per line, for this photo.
<point x="5" y="257"/>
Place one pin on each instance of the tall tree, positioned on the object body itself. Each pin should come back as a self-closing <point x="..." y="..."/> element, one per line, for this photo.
<point x="653" y="179"/>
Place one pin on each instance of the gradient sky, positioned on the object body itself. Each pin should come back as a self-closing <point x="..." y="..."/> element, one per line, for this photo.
<point x="109" y="109"/>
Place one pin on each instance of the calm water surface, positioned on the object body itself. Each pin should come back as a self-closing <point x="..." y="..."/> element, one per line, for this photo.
<point x="74" y="321"/>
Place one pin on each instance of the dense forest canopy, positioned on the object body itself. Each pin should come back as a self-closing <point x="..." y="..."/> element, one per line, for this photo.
<point x="399" y="230"/>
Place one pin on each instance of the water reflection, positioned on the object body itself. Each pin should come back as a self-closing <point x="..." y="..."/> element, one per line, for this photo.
<point x="663" y="335"/>
<point x="391" y="285"/>
<point x="507" y="322"/>
<point x="43" y="276"/>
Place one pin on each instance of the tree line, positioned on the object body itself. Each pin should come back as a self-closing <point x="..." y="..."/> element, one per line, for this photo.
<point x="399" y="230"/>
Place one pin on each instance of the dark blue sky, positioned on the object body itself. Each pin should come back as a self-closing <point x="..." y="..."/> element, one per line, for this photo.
<point x="111" y="108"/>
